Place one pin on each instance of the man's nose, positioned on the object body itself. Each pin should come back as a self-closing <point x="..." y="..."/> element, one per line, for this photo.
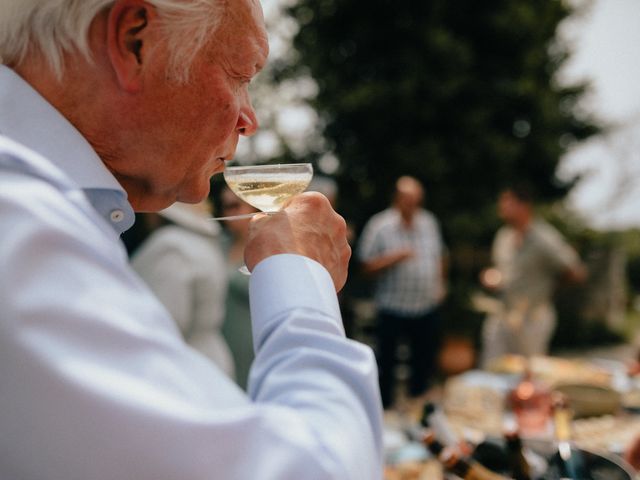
<point x="247" y="122"/>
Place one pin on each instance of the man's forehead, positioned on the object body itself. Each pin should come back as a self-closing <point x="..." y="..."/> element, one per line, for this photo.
<point x="244" y="26"/>
<point x="409" y="186"/>
<point x="249" y="53"/>
<point x="246" y="13"/>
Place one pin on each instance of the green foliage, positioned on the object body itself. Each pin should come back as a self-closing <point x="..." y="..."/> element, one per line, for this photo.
<point x="459" y="94"/>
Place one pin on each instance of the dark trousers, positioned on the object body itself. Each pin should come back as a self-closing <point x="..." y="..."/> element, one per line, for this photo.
<point x="422" y="334"/>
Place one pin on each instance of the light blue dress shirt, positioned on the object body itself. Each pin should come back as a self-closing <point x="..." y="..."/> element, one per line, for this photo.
<point x="96" y="382"/>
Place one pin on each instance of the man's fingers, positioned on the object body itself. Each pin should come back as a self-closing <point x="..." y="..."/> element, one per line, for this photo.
<point x="307" y="226"/>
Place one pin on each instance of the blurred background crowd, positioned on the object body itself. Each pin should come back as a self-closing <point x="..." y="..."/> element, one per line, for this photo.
<point x="468" y="99"/>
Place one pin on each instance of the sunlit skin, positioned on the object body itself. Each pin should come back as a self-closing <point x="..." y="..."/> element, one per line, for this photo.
<point x="408" y="198"/>
<point x="161" y="140"/>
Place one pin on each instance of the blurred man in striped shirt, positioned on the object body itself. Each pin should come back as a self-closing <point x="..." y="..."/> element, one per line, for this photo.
<point x="403" y="248"/>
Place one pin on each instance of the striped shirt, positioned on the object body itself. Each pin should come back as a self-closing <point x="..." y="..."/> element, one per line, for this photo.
<point x="411" y="286"/>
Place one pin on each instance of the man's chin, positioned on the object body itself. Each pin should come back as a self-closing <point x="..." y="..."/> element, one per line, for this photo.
<point x="191" y="191"/>
<point x="218" y="167"/>
<point x="195" y="194"/>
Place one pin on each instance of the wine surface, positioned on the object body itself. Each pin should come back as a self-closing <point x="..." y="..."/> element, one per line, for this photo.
<point x="268" y="192"/>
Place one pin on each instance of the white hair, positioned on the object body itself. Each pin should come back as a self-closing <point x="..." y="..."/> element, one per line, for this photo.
<point x="53" y="27"/>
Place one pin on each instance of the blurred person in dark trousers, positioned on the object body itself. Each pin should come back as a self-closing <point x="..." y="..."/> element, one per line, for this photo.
<point x="402" y="248"/>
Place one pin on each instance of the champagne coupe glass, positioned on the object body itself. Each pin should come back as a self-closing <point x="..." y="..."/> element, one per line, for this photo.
<point x="267" y="187"/>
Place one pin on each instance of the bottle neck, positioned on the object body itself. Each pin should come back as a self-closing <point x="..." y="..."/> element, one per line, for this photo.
<point x="562" y="420"/>
<point x="562" y="417"/>
<point x="519" y="466"/>
<point x="459" y="467"/>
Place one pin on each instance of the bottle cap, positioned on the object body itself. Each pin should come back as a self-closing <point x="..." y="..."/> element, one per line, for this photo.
<point x="427" y="410"/>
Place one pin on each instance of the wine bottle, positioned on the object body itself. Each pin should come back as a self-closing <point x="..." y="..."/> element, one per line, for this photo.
<point x="530" y="403"/>
<point x="518" y="464"/>
<point x="568" y="461"/>
<point x="434" y="418"/>
<point x="465" y="468"/>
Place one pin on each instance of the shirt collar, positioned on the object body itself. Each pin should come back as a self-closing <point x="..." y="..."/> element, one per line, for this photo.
<point x="29" y="119"/>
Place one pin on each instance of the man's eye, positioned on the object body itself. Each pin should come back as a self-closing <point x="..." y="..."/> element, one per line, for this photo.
<point x="245" y="79"/>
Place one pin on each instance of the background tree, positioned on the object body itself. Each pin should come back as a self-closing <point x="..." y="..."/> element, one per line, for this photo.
<point x="460" y="94"/>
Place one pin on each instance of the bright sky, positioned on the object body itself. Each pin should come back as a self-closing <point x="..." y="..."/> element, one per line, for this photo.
<point x="607" y="51"/>
<point x="606" y="41"/>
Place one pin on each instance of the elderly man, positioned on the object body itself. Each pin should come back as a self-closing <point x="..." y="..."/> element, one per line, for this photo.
<point x="107" y="107"/>
<point x="402" y="246"/>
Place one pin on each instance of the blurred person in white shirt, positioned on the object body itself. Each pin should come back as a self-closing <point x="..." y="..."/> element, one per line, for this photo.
<point x="529" y="257"/>
<point x="183" y="264"/>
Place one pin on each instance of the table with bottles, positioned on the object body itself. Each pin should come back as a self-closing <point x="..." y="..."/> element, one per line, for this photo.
<point x="479" y="406"/>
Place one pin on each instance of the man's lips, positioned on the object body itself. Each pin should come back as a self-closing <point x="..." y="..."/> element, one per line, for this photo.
<point x="220" y="162"/>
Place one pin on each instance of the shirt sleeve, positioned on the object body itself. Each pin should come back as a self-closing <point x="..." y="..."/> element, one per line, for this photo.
<point x="297" y="326"/>
<point x="97" y="382"/>
<point x="560" y="255"/>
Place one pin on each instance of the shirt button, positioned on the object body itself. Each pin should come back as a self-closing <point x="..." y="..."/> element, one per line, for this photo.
<point x="116" y="216"/>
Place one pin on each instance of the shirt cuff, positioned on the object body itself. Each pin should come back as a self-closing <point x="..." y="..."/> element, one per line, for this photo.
<point x="284" y="282"/>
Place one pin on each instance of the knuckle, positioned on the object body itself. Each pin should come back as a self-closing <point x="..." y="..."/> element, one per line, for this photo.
<point x="341" y="225"/>
<point x="315" y="199"/>
<point x="346" y="255"/>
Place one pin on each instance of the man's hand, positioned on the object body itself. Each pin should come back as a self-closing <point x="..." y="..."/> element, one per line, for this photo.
<point x="306" y="226"/>
<point x="387" y="260"/>
<point x="491" y="278"/>
<point x="400" y="256"/>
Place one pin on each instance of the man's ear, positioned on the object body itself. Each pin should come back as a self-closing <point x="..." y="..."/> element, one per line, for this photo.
<point x="128" y="40"/>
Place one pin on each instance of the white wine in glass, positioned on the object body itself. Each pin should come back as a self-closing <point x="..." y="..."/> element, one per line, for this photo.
<point x="268" y="187"/>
